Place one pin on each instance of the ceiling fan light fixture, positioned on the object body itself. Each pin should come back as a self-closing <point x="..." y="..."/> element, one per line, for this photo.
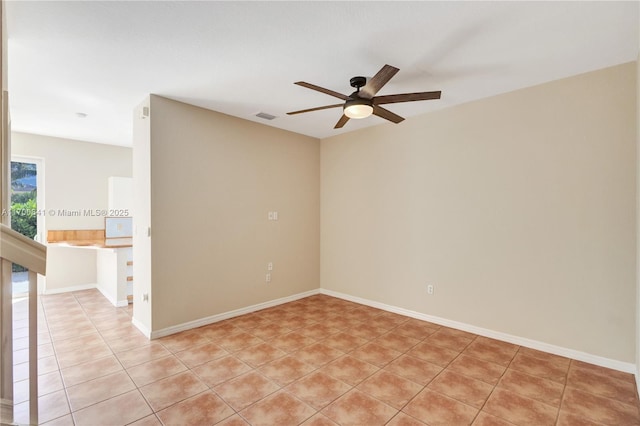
<point x="358" y="108"/>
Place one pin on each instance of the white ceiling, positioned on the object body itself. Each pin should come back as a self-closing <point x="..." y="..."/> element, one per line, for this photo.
<point x="240" y="58"/>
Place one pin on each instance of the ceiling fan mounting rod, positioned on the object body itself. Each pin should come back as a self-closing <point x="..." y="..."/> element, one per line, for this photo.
<point x="358" y="82"/>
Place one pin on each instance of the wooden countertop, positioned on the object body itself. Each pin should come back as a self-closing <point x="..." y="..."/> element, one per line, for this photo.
<point x="106" y="243"/>
<point x="90" y="238"/>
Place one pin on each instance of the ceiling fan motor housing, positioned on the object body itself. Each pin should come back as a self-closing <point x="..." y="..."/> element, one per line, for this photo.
<point x="358" y="82"/>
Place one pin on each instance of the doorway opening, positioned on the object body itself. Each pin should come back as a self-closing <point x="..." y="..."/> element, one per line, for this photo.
<point x="27" y="210"/>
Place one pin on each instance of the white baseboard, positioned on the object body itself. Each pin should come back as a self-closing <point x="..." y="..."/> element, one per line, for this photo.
<point x="626" y="367"/>
<point x="226" y="315"/>
<point x="114" y="302"/>
<point x="70" y="288"/>
<point x="141" y="327"/>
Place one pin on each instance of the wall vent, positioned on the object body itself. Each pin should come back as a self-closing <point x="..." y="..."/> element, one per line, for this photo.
<point x="265" y="116"/>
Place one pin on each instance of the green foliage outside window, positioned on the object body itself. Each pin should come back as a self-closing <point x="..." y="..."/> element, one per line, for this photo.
<point x="23" y="216"/>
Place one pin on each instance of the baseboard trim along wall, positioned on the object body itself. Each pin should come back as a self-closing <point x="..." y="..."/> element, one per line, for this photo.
<point x="143" y="328"/>
<point x="69" y="289"/>
<point x="114" y="302"/>
<point x="626" y="367"/>
<point x="226" y="315"/>
<point x="118" y="304"/>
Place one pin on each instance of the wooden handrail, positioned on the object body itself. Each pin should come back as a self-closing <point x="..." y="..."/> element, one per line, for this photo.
<point x="22" y="250"/>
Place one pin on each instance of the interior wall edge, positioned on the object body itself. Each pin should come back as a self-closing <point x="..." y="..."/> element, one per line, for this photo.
<point x="113" y="300"/>
<point x="626" y="367"/>
<point x="140" y="326"/>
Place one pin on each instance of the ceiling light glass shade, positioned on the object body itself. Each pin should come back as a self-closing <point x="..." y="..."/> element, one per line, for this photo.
<point x="358" y="108"/>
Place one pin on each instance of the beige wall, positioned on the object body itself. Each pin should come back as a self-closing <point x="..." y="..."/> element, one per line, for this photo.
<point x="76" y="177"/>
<point x="520" y="209"/>
<point x="214" y="178"/>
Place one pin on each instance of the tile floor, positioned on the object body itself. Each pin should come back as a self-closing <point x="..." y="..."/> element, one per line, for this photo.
<point x="315" y="361"/>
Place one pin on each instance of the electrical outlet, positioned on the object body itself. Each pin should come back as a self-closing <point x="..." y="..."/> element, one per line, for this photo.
<point x="270" y="266"/>
<point x="430" y="289"/>
<point x="268" y="278"/>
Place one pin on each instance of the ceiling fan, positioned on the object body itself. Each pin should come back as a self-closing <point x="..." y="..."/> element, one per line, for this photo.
<point x="363" y="102"/>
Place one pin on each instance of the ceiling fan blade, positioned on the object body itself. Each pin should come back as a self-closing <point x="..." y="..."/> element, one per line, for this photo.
<point x="377" y="81"/>
<point x="386" y="114"/>
<point x="406" y="97"/>
<point x="315" y="109"/>
<point x="322" y="90"/>
<point x="343" y="120"/>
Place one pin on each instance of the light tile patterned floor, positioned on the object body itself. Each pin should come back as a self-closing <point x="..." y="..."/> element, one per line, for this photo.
<point x="316" y="361"/>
